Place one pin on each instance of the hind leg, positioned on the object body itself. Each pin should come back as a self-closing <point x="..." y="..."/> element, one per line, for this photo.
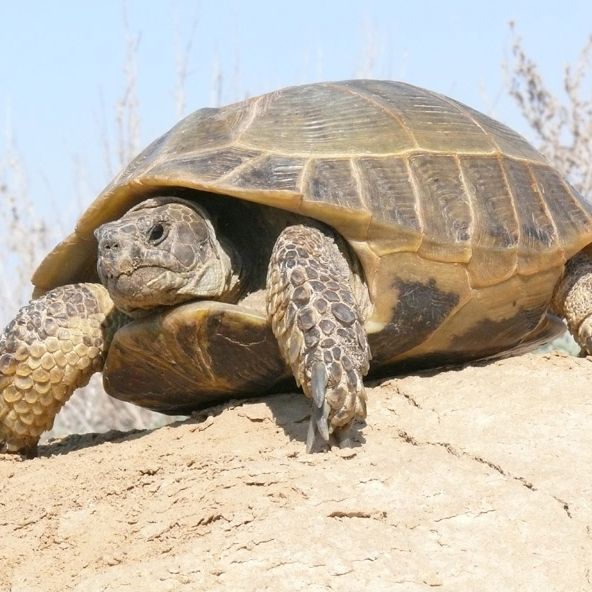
<point x="317" y="318"/>
<point x="573" y="299"/>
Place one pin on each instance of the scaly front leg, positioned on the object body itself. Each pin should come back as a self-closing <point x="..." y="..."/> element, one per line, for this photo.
<point x="318" y="323"/>
<point x="51" y="348"/>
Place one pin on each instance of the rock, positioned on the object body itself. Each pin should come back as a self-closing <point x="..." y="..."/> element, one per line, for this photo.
<point x="469" y="479"/>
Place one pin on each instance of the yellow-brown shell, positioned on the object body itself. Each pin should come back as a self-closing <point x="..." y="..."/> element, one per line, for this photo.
<point x="424" y="188"/>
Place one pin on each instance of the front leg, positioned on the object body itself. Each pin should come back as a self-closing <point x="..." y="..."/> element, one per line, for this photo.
<point x="319" y="325"/>
<point x="51" y="348"/>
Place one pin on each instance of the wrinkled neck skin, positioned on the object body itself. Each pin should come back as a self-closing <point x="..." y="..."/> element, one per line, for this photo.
<point x="164" y="252"/>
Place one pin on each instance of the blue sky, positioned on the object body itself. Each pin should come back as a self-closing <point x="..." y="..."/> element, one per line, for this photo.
<point x="62" y="63"/>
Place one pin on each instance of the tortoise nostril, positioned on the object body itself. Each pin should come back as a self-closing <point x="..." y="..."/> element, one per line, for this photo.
<point x="109" y="245"/>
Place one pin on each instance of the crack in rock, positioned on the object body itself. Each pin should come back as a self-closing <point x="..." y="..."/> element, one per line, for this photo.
<point x="462" y="453"/>
<point x="377" y="515"/>
<point x="565" y="505"/>
<point x="501" y="471"/>
<point x="470" y="514"/>
<point x="409" y="398"/>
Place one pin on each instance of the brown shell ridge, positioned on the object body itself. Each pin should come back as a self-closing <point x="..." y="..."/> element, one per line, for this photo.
<point x="460" y="109"/>
<point x="570" y="190"/>
<point x="518" y="242"/>
<point x="212" y="150"/>
<point x="418" y="203"/>
<point x="245" y="166"/>
<point x="305" y="169"/>
<point x="470" y="203"/>
<point x="508" y="186"/>
<point x="357" y="177"/>
<point x="518" y="245"/>
<point x="416" y="195"/>
<point x="260" y="196"/>
<point x="402" y="153"/>
<point x="558" y="232"/>
<point x="376" y="103"/>
<point x="253" y="112"/>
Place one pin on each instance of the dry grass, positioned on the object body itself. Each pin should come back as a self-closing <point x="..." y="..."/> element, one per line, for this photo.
<point x="26" y="235"/>
<point x="562" y="123"/>
<point x="28" y="238"/>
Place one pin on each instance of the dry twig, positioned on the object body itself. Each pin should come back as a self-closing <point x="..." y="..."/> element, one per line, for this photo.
<point x="562" y="124"/>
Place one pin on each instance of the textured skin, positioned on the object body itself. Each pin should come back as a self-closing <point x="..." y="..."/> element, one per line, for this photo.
<point x="51" y="348"/>
<point x="316" y="320"/>
<point x="573" y="299"/>
<point x="164" y="252"/>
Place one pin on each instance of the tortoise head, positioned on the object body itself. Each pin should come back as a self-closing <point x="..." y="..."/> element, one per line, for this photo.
<point x="163" y="252"/>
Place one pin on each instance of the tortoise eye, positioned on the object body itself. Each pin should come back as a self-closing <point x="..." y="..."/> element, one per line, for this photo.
<point x="156" y="234"/>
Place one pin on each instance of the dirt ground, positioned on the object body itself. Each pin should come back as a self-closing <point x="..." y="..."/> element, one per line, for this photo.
<point x="470" y="479"/>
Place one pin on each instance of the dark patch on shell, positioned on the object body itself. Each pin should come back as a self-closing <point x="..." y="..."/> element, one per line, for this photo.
<point x="420" y="309"/>
<point x="490" y="336"/>
<point x="506" y="337"/>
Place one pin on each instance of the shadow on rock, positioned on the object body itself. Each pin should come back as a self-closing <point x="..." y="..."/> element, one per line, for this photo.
<point x="290" y="411"/>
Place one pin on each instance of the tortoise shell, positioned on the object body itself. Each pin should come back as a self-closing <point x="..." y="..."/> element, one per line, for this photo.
<point x="461" y="227"/>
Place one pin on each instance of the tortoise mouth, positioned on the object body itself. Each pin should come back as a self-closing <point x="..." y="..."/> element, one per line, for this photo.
<point x="137" y="274"/>
<point x="145" y="288"/>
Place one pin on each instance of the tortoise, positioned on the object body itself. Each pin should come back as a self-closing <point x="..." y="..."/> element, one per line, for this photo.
<point x="314" y="233"/>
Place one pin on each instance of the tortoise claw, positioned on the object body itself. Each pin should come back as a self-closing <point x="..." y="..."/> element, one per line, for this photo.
<point x="318" y="428"/>
<point x="27" y="452"/>
<point x="317" y="439"/>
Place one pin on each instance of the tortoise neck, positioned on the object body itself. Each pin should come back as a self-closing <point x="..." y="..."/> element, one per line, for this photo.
<point x="237" y="283"/>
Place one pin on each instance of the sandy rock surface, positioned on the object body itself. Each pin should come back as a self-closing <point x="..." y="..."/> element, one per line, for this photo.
<point x="470" y="479"/>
